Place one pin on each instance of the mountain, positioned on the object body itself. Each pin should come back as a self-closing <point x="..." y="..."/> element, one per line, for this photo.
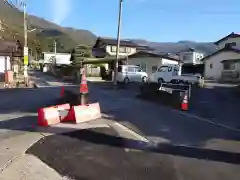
<point x="175" y="47"/>
<point x="46" y="32"/>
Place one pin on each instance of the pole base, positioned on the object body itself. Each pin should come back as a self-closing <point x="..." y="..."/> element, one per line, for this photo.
<point x="83" y="99"/>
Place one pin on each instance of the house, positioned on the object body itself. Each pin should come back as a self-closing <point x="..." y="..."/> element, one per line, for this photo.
<point x="49" y="62"/>
<point x="10" y="53"/>
<point x="150" y="61"/>
<point x="191" y="56"/>
<point x="108" y="47"/>
<point x="224" y="64"/>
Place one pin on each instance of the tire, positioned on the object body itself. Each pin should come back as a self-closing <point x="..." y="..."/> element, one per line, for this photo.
<point x="174" y="81"/>
<point x="144" y="79"/>
<point x="126" y="80"/>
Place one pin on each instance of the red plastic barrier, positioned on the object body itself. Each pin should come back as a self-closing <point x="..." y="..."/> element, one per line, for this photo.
<point x="63" y="110"/>
<point x="84" y="113"/>
<point x="48" y="116"/>
<point x="63" y="107"/>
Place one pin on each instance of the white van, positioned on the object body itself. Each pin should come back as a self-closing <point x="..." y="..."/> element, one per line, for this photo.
<point x="131" y="73"/>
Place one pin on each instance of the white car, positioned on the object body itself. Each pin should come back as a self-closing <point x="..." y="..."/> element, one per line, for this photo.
<point x="131" y="73"/>
<point x="172" y="74"/>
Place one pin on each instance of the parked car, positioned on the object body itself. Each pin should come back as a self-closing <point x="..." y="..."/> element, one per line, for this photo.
<point x="172" y="74"/>
<point x="131" y="73"/>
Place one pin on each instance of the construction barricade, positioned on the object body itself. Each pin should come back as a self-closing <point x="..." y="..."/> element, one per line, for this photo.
<point x="64" y="113"/>
<point x="173" y="95"/>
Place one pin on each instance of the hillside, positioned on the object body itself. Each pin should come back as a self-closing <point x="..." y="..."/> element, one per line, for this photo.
<point x="172" y="47"/>
<point x="45" y="34"/>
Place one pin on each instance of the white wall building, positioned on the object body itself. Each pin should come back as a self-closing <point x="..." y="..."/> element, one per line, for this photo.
<point x="191" y="57"/>
<point x="150" y="62"/>
<point x="225" y="63"/>
<point x="61" y="58"/>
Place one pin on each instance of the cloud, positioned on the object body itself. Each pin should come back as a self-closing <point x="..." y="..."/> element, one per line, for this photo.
<point x="60" y="10"/>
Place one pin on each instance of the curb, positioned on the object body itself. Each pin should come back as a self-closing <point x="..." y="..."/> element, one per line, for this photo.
<point x="132" y="132"/>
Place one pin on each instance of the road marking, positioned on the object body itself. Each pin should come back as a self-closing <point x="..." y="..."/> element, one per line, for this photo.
<point x="138" y="136"/>
<point x="207" y="120"/>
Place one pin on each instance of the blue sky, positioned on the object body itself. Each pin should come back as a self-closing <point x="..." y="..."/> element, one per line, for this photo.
<point x="154" y="20"/>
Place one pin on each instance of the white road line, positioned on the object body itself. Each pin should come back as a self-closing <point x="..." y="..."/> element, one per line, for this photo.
<point x="207" y="120"/>
<point x="142" y="138"/>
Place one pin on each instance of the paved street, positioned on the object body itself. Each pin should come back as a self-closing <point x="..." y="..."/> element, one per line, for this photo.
<point x="199" y="146"/>
<point x="18" y="108"/>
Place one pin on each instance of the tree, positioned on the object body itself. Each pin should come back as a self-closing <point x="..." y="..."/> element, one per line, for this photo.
<point x="79" y="54"/>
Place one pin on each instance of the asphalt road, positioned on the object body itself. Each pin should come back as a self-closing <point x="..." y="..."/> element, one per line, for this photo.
<point x="201" y="147"/>
<point x="18" y="108"/>
<point x="188" y="134"/>
<point x="101" y="154"/>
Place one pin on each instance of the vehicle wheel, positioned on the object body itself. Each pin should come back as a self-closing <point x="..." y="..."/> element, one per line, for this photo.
<point x="160" y="81"/>
<point x="174" y="81"/>
<point x="126" y="80"/>
<point x="144" y="79"/>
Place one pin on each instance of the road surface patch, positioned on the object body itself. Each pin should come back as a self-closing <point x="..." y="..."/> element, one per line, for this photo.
<point x="99" y="154"/>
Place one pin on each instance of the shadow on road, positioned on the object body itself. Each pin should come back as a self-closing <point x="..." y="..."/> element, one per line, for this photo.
<point x="29" y="124"/>
<point x="152" y="120"/>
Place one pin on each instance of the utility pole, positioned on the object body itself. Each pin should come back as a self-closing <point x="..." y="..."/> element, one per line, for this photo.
<point x="55" y="48"/>
<point x="118" y="41"/>
<point x="25" y="43"/>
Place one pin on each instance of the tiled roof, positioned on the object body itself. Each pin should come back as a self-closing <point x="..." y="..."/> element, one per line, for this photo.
<point x="111" y="41"/>
<point x="150" y="54"/>
<point x="127" y="43"/>
<point x="233" y="49"/>
<point x="231" y="35"/>
<point x="6" y="46"/>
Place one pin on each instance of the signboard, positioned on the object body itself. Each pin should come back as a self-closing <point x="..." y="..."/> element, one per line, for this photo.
<point x="25" y="56"/>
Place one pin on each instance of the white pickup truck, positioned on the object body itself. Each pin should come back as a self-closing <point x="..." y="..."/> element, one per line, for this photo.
<point x="171" y="73"/>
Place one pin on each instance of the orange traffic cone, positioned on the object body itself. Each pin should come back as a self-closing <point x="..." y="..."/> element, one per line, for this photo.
<point x="83" y="85"/>
<point x="62" y="92"/>
<point x="184" y="104"/>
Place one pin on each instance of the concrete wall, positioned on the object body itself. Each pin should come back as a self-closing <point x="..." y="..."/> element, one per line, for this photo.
<point x="193" y="57"/>
<point x="217" y="67"/>
<point x="169" y="61"/>
<point x="150" y="64"/>
<point x="2" y="64"/>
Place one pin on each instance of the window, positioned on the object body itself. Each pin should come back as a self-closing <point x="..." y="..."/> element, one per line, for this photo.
<point x="170" y="69"/>
<point x="176" y="69"/>
<point x="211" y="66"/>
<point x="119" y="68"/>
<point x="163" y="69"/>
<point x="128" y="49"/>
<point x="131" y="69"/>
<point x="154" y="69"/>
<point x="138" y="69"/>
<point x="113" y="48"/>
<point x="187" y="57"/>
<point x="230" y="44"/>
<point x="122" y="49"/>
<point x="228" y="66"/>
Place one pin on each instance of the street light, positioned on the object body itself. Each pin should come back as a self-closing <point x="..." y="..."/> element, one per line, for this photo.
<point x="31" y="30"/>
<point x="118" y="41"/>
